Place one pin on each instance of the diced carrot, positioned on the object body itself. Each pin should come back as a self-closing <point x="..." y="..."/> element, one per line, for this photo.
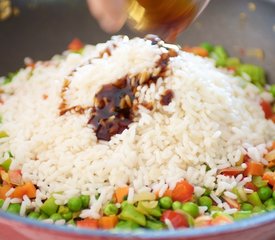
<point x="251" y="186"/>
<point x="266" y="106"/>
<point x="183" y="191"/>
<point x="120" y="193"/>
<point x="254" y="169"/>
<point x="107" y="222"/>
<point x="75" y="45"/>
<point x="273" y="117"/>
<point x="270" y="177"/>
<point x="3" y="190"/>
<point x="197" y="50"/>
<point x="26" y="189"/>
<point x="87" y="223"/>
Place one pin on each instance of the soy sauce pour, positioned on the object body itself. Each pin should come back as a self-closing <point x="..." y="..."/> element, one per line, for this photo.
<point x="167" y="18"/>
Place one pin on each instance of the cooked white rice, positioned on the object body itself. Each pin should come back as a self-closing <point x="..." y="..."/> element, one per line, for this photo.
<point x="212" y="120"/>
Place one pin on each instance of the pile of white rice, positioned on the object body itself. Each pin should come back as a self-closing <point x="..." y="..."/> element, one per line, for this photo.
<point x="212" y="120"/>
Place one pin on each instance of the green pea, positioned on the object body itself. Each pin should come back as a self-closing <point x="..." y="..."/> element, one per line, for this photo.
<point x="55" y="217"/>
<point x="269" y="202"/>
<point x="75" y="204"/>
<point x="1" y="202"/>
<point x="63" y="209"/>
<point x="246" y="206"/>
<point x="34" y="215"/>
<point x="43" y="216"/>
<point x="264" y="193"/>
<point x="191" y="208"/>
<point x="205" y="201"/>
<point x="176" y="205"/>
<point x="67" y="216"/>
<point x="270" y="208"/>
<point x="14" y="208"/>
<point x="124" y="204"/>
<point x="110" y="209"/>
<point x="166" y="202"/>
<point x="85" y="201"/>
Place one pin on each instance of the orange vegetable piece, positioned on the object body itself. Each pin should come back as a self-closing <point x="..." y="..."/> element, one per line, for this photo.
<point x="26" y="189"/>
<point x="197" y="51"/>
<point x="222" y="219"/>
<point x="167" y="193"/>
<point x="108" y="222"/>
<point x="254" y="169"/>
<point x="270" y="177"/>
<point x="183" y="191"/>
<point x="120" y="193"/>
<point x="3" y="190"/>
<point x="75" y="45"/>
<point x="87" y="223"/>
<point x="266" y="106"/>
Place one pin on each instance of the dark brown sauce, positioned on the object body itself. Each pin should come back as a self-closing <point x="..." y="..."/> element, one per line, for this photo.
<point x="166" y="98"/>
<point x="114" y="105"/>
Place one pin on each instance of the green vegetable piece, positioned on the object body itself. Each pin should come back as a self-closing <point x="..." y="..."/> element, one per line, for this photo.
<point x="272" y="90"/>
<point x="49" y="207"/>
<point x="269" y="202"/>
<point x="273" y="194"/>
<point x="259" y="182"/>
<point x="246" y="207"/>
<point x="240" y="215"/>
<point x="233" y="62"/>
<point x="127" y="225"/>
<point x="191" y="208"/>
<point x="129" y="213"/>
<point x="219" y="55"/>
<point x="71" y="222"/>
<point x="207" y="192"/>
<point x="124" y="204"/>
<point x="205" y="201"/>
<point x="264" y="193"/>
<point x="143" y="208"/>
<point x="3" y="134"/>
<point x="110" y="209"/>
<point x="14" y="208"/>
<point x="254" y="199"/>
<point x="6" y="164"/>
<point x="85" y="201"/>
<point x="215" y="209"/>
<point x="9" y="77"/>
<point x="258" y="209"/>
<point x="67" y="216"/>
<point x="75" y="204"/>
<point x="1" y="202"/>
<point x="207" y="46"/>
<point x="165" y="202"/>
<point x="43" y="216"/>
<point x="76" y="214"/>
<point x="34" y="215"/>
<point x="56" y="217"/>
<point x="256" y="73"/>
<point x="154" y="225"/>
<point x="176" y="205"/>
<point x="270" y="208"/>
<point x="1" y="119"/>
<point x="63" y="209"/>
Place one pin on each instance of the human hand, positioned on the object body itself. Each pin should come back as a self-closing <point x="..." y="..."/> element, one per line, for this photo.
<point x="110" y="14"/>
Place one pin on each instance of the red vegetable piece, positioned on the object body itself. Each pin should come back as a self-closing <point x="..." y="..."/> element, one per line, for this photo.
<point x="266" y="106"/>
<point x="75" y="45"/>
<point x="231" y="171"/>
<point x="177" y="220"/>
<point x="183" y="191"/>
<point x="87" y="223"/>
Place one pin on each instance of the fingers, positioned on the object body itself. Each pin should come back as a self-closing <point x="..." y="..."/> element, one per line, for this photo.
<point x="110" y="14"/>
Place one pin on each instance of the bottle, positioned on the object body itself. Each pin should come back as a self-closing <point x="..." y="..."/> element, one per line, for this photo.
<point x="167" y="18"/>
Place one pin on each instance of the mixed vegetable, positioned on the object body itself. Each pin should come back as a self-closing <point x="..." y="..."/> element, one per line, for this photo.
<point x="175" y="208"/>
